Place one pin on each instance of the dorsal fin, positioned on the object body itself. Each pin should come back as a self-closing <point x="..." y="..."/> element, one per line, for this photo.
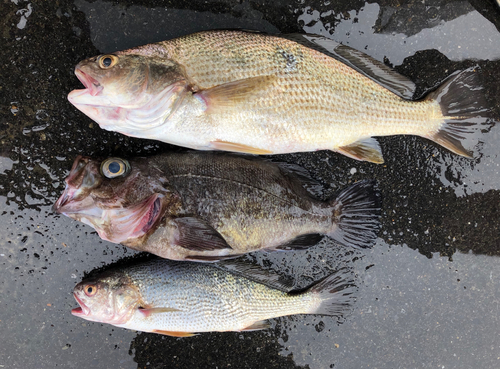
<point x="255" y="273"/>
<point x="364" y="64"/>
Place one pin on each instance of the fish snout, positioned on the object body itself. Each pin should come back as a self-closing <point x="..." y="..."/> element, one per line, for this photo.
<point x="83" y="177"/>
<point x="82" y="310"/>
<point x="91" y="84"/>
<point x="63" y="199"/>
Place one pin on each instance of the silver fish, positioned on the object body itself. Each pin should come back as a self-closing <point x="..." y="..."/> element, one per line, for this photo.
<point x="261" y="94"/>
<point x="180" y="298"/>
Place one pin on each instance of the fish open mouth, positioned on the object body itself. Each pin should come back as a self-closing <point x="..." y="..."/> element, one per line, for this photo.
<point x="150" y="217"/>
<point x="83" y="310"/>
<point x="91" y="84"/>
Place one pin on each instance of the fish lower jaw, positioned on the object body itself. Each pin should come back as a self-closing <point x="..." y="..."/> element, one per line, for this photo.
<point x="78" y="312"/>
<point x="82" y="311"/>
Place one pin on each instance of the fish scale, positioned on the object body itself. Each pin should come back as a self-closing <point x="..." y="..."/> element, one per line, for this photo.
<point x="204" y="206"/>
<point x="262" y="94"/>
<point x="200" y="298"/>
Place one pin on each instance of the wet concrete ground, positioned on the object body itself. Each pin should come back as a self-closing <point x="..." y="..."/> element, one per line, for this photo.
<point x="428" y="290"/>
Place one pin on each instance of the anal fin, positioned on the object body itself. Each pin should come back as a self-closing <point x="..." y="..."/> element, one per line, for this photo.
<point x="174" y="334"/>
<point x="257" y="326"/>
<point x="210" y="258"/>
<point x="237" y="147"/>
<point x="302" y="242"/>
<point x="366" y="149"/>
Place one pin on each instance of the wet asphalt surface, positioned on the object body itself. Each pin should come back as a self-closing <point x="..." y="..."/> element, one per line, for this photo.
<point x="428" y="291"/>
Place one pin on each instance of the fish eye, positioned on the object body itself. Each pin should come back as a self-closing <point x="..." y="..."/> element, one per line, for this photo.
<point x="115" y="167"/>
<point x="107" y="61"/>
<point x="90" y="290"/>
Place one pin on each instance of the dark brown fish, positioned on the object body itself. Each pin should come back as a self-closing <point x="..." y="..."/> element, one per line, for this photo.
<point x="208" y="206"/>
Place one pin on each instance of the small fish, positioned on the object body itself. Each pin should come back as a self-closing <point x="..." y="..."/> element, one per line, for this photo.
<point x="181" y="298"/>
<point x="208" y="206"/>
<point x="261" y="94"/>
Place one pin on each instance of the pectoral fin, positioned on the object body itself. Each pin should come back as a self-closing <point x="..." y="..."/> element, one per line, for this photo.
<point x="174" y="334"/>
<point x="366" y="149"/>
<point x="237" y="147"/>
<point x="197" y="235"/>
<point x="231" y="94"/>
<point x="148" y="311"/>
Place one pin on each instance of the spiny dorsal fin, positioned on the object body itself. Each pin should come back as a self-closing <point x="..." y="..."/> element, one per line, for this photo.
<point x="256" y="273"/>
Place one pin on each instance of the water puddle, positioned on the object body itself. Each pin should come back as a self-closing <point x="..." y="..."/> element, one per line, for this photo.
<point x="427" y="292"/>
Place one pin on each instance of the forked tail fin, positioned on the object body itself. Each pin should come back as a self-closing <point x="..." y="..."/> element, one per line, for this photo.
<point x="465" y="109"/>
<point x="356" y="214"/>
<point x="336" y="294"/>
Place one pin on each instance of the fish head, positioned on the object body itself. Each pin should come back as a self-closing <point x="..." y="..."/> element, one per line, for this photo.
<point x="128" y="92"/>
<point x="110" y="298"/>
<point x="121" y="200"/>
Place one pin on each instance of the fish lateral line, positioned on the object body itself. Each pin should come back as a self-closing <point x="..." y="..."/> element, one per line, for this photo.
<point x="243" y="185"/>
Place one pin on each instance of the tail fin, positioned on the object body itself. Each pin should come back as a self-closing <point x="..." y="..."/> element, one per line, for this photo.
<point x="465" y="109"/>
<point x="336" y="294"/>
<point x="356" y="214"/>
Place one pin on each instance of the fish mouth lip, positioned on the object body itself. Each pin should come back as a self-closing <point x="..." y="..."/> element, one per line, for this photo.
<point x="61" y="201"/>
<point x="60" y="206"/>
<point x="91" y="84"/>
<point x="71" y="200"/>
<point x="68" y="204"/>
<point x="83" y="310"/>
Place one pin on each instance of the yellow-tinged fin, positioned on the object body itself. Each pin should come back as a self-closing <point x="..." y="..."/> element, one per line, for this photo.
<point x="257" y="326"/>
<point x="366" y="149"/>
<point x="465" y="112"/>
<point x="148" y="311"/>
<point x="230" y="94"/>
<point x="174" y="334"/>
<point x="236" y="147"/>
